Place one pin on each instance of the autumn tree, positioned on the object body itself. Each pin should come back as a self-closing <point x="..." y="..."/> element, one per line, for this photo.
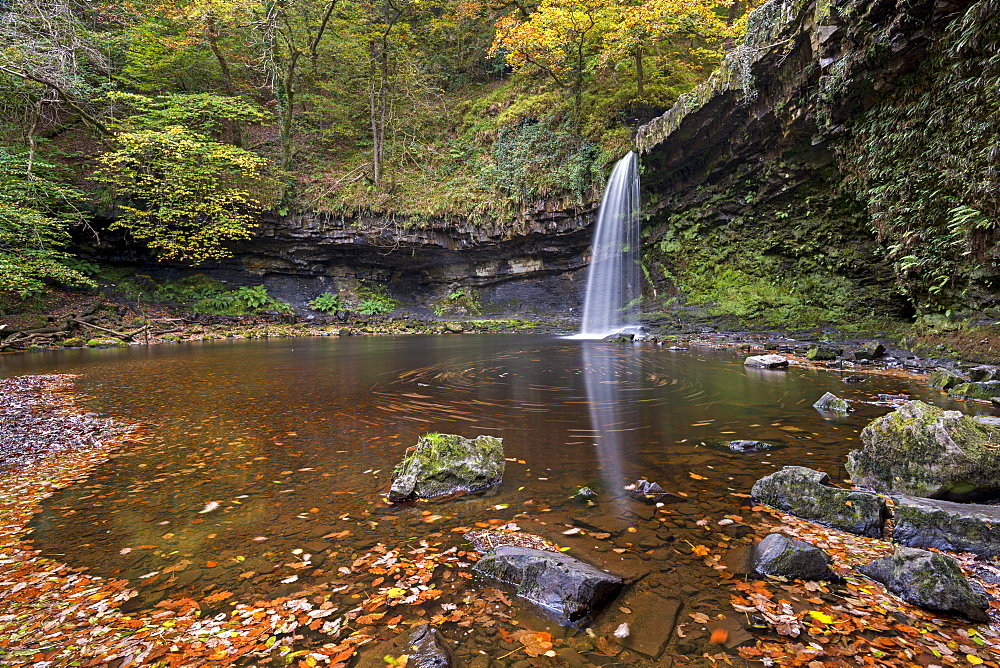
<point x="684" y="27"/>
<point x="558" y="39"/>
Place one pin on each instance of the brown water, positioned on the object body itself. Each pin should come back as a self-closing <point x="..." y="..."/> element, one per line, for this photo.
<point x="260" y="449"/>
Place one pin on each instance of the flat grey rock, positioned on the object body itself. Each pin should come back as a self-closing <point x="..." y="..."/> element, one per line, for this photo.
<point x="766" y="362"/>
<point x="566" y="589"/>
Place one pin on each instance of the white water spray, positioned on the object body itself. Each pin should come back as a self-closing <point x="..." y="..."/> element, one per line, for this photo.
<point x="611" y="304"/>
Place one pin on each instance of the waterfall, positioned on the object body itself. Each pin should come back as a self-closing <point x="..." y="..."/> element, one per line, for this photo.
<point x="611" y="304"/>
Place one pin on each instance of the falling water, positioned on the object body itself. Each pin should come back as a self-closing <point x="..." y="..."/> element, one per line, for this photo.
<point x="612" y="301"/>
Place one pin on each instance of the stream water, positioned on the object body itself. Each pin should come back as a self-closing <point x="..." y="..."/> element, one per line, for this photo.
<point x="257" y="449"/>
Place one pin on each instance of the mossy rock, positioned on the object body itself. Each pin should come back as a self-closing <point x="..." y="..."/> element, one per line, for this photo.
<point x="869" y="351"/>
<point x="107" y="342"/>
<point x="802" y="491"/>
<point x="831" y="402"/>
<point x="922" y="450"/>
<point x="983" y="390"/>
<point x="930" y="580"/>
<point x="172" y="338"/>
<point x="74" y="342"/>
<point x="821" y="353"/>
<point x="944" y="379"/>
<point x="443" y="464"/>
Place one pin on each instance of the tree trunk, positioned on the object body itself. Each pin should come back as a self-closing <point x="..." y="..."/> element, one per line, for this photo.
<point x="639" y="91"/>
<point x="234" y="128"/>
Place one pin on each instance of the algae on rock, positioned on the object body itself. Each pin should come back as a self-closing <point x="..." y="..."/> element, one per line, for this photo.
<point x="442" y="464"/>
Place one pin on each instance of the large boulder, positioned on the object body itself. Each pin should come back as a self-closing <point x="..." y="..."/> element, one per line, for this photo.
<point x="930" y="580"/>
<point x="946" y="525"/>
<point x="443" y="464"/>
<point x="792" y="558"/>
<point x="801" y="491"/>
<point x="567" y="589"/>
<point x="922" y="450"/>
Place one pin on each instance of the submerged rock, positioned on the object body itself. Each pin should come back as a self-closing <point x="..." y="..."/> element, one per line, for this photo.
<point x="648" y="492"/>
<point x="823" y="353"/>
<point x="922" y="450"/>
<point x="567" y="589"/>
<point x="930" y="580"/>
<point x="943" y="379"/>
<point x="983" y="390"/>
<point x="792" y="558"/>
<point x="801" y="491"/>
<point x="443" y="464"/>
<point x="831" y="402"/>
<point x="982" y="374"/>
<point x="766" y="362"/>
<point x="946" y="525"/>
<point x="427" y="648"/>
<point x="746" y="447"/>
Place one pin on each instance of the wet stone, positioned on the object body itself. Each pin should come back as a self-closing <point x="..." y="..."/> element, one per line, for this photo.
<point x="428" y="649"/>
<point x="766" y="362"/>
<point x="944" y="379"/>
<point x="745" y="447"/>
<point x="831" y="402"/>
<point x="788" y="557"/>
<point x="822" y="353"/>
<point x="567" y="589"/>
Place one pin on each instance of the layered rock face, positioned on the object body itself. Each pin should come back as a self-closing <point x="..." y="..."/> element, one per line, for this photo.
<point x="760" y="202"/>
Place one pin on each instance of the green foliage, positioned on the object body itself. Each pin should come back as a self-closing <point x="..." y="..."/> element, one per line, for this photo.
<point x="463" y="300"/>
<point x="924" y="161"/>
<point x="35" y="212"/>
<point x="327" y="302"/>
<point x="535" y="158"/>
<point x="182" y="195"/>
<point x="245" y="300"/>
<point x="202" y="113"/>
<point x="375" y="300"/>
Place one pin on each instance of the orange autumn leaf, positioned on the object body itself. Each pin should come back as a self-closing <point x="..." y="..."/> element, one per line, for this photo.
<point x="700" y="550"/>
<point x="535" y="644"/>
<point x="719" y="636"/>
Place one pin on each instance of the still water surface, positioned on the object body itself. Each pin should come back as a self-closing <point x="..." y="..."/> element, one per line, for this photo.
<point x="260" y="448"/>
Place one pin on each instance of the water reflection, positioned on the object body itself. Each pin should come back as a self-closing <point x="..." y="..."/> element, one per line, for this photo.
<point x="611" y="374"/>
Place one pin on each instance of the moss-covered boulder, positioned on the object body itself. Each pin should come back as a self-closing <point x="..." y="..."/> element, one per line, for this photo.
<point x="792" y="558"/>
<point x="566" y="589"/>
<point x="821" y="353"/>
<point x="930" y="580"/>
<point x="983" y="390"/>
<point x="946" y="525"/>
<point x="922" y="450"/>
<point x="74" y="342"/>
<point x="106" y="342"/>
<point x="831" y="402"/>
<point x="981" y="374"/>
<point x="801" y="491"/>
<point x="945" y="379"/>
<point x="443" y="464"/>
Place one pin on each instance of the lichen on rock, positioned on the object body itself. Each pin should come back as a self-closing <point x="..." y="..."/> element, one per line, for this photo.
<point x="442" y="464"/>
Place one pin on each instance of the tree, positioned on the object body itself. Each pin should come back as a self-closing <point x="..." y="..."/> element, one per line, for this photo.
<point x="183" y="194"/>
<point x="558" y="39"/>
<point x="684" y="25"/>
<point x="35" y="212"/>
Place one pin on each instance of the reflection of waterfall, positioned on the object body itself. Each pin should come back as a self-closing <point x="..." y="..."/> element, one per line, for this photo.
<point x="607" y="371"/>
<point x="612" y="300"/>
